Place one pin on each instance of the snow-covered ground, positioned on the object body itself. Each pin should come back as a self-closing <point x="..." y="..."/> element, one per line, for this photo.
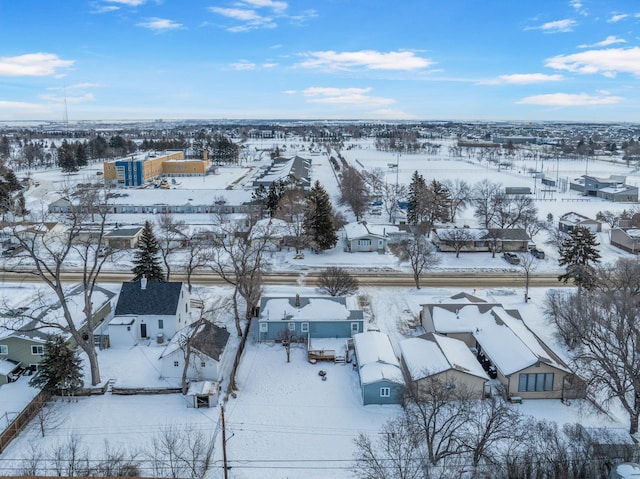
<point x="286" y="421"/>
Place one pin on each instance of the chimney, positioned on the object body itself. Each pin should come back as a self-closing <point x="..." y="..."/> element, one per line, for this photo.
<point x="143" y="282"/>
<point x="297" y="300"/>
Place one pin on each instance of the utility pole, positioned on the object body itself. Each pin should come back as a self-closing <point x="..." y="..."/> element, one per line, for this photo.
<point x="224" y="442"/>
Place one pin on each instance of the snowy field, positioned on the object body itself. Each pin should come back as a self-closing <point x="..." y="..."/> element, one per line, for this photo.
<point x="285" y="421"/>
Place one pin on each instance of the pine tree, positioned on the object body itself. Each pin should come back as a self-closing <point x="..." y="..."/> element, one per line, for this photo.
<point x="579" y="253"/>
<point x="415" y="199"/>
<point x="66" y="157"/>
<point x="60" y="370"/>
<point x="318" y="218"/>
<point x="146" y="260"/>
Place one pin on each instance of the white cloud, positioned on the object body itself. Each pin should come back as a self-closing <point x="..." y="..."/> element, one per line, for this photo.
<point x="244" y="65"/>
<point x="557" y="26"/>
<point x="617" y="17"/>
<point x="607" y="62"/>
<point x="160" y="24"/>
<point x="368" y="59"/>
<point x="24" y="110"/>
<point x="32" y="64"/>
<point x="523" y="79"/>
<point x="68" y="99"/>
<point x="275" y="5"/>
<point x="610" y="40"/>
<point x="129" y="3"/>
<point x="571" y="99"/>
<point x="579" y="7"/>
<point x="250" y="18"/>
<point x="269" y="65"/>
<point x="345" y="96"/>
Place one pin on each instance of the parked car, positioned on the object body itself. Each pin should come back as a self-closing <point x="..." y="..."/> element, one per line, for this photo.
<point x="538" y="253"/>
<point x="511" y="258"/>
<point x="626" y="470"/>
<point x="9" y="250"/>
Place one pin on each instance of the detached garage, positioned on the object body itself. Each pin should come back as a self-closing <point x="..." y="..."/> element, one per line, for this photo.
<point x="381" y="379"/>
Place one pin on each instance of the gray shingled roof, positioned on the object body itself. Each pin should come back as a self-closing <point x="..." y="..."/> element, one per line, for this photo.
<point x="156" y="298"/>
<point x="211" y="340"/>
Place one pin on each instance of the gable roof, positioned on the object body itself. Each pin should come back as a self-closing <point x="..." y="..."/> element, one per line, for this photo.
<point x="361" y="229"/>
<point x="159" y="298"/>
<point x="376" y="358"/>
<point x="432" y="354"/>
<point x="210" y="340"/>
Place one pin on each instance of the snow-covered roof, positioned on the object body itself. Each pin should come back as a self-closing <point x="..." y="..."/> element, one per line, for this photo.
<point x="7" y="366"/>
<point x="203" y="388"/>
<point x="505" y="339"/>
<point x="376" y="358"/>
<point x="272" y="228"/>
<point x="575" y="218"/>
<point x="433" y="354"/>
<point x="362" y="228"/>
<point x="309" y="309"/>
<point x="179" y="197"/>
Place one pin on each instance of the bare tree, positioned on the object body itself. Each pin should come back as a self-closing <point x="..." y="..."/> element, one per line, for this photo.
<point x="47" y="417"/>
<point x="354" y="191"/>
<point x="420" y="253"/>
<point x="337" y="281"/>
<point x="199" y="253"/>
<point x="393" y="454"/>
<point x="438" y="415"/>
<point x="602" y="327"/>
<point x="528" y="265"/>
<point x="512" y="211"/>
<point x="490" y="423"/>
<point x="170" y="236"/>
<point x="291" y="209"/>
<point x="456" y="237"/>
<point x="459" y="196"/>
<point x="48" y="255"/>
<point x="392" y="193"/>
<point x="484" y="195"/>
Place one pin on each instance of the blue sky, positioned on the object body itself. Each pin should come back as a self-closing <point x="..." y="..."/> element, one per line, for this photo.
<point x="557" y="60"/>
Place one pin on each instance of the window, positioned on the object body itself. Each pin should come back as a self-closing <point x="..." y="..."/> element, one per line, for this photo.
<point x="202" y="364"/>
<point x="186" y="308"/>
<point x="364" y="242"/>
<point x="385" y="392"/>
<point x="304" y="327"/>
<point x="176" y="364"/>
<point x="37" y="350"/>
<point x="291" y="326"/>
<point x="264" y="328"/>
<point x="4" y="349"/>
<point x="161" y="324"/>
<point x="535" y="382"/>
<point x="355" y="328"/>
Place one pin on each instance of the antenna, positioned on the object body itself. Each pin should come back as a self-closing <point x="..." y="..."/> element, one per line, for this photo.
<point x="65" y="120"/>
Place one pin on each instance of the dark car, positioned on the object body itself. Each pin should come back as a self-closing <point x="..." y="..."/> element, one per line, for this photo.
<point x="537" y="253"/>
<point x="9" y="250"/>
<point x="511" y="258"/>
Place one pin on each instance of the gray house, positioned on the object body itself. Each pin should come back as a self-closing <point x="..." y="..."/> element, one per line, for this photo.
<point x="366" y="237"/>
<point x="381" y="378"/>
<point x="308" y="317"/>
<point x="482" y="239"/>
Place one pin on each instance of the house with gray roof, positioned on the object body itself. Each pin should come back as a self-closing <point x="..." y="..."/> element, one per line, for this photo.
<point x="481" y="240"/>
<point x="149" y="310"/>
<point x="209" y="359"/>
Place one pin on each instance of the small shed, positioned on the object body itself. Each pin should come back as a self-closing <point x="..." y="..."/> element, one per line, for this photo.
<point x="203" y="394"/>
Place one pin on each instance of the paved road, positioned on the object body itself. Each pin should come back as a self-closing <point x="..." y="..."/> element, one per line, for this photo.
<point x="379" y="279"/>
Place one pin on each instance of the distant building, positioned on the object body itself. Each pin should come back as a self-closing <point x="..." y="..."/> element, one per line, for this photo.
<point x="140" y="169"/>
<point x="283" y="169"/>
<point x="613" y="188"/>
<point x="569" y="221"/>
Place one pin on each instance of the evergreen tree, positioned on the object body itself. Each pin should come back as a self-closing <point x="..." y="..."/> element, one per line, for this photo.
<point x="416" y="199"/>
<point x="67" y="158"/>
<point x="578" y="253"/>
<point x="276" y="190"/>
<point x="146" y="260"/>
<point x="318" y="218"/>
<point x="12" y="181"/>
<point x="80" y="154"/>
<point x="60" y="369"/>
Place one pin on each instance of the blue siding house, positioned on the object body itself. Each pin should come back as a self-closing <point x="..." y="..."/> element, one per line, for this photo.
<point x="307" y="317"/>
<point x="381" y="377"/>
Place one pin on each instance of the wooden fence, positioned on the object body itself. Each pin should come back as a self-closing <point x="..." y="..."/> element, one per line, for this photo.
<point x="22" y="419"/>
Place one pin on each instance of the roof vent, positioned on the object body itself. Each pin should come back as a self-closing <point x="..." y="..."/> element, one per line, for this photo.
<point x="143" y="282"/>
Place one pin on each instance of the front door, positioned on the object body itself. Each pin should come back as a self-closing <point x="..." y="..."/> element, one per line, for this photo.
<point x="143" y="330"/>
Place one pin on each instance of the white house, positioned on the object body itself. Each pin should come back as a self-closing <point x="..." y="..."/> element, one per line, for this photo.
<point x="149" y="309"/>
<point x="209" y="356"/>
